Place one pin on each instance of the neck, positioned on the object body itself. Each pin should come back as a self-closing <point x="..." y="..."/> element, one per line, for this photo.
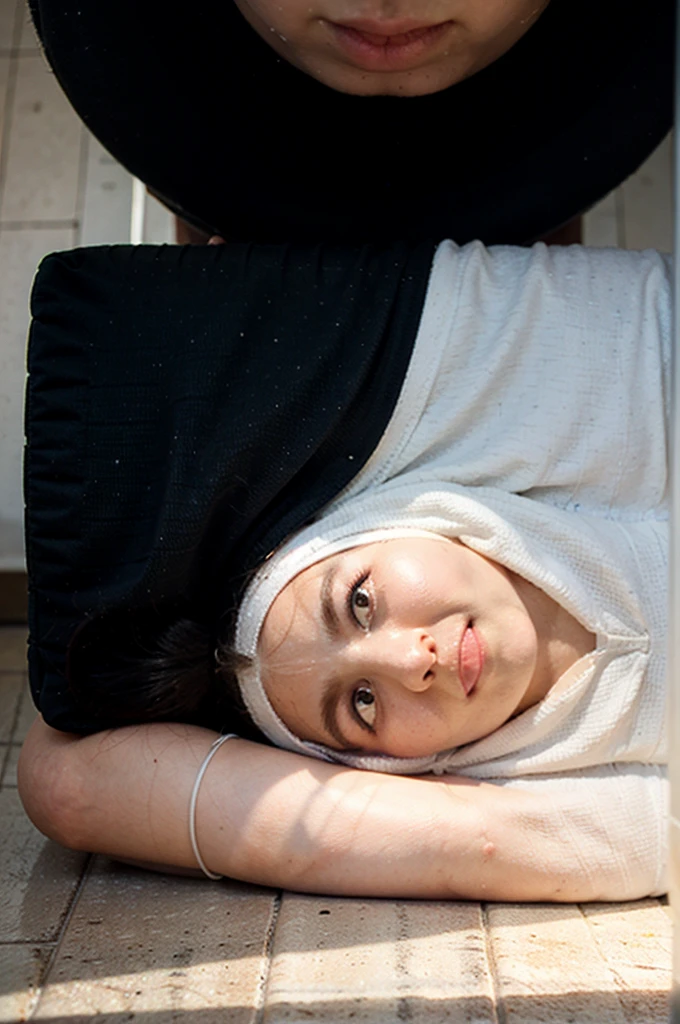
<point x="562" y="640"/>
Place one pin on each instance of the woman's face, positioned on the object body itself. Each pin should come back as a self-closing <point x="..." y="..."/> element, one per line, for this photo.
<point x="406" y="647"/>
<point x="391" y="47"/>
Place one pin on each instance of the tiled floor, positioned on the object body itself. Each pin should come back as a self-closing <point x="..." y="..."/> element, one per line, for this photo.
<point x="84" y="939"/>
<point x="87" y="939"/>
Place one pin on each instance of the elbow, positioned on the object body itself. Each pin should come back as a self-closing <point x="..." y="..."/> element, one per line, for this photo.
<point x="51" y="786"/>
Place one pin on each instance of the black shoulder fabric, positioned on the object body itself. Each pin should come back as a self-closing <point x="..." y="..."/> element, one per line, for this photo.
<point x="237" y="140"/>
<point x="187" y="408"/>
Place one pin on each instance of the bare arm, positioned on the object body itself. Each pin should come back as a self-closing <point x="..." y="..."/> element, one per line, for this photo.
<point x="274" y="818"/>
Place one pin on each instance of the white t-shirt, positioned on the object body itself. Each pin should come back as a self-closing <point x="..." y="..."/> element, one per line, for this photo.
<point x="557" y="391"/>
<point x="532" y="426"/>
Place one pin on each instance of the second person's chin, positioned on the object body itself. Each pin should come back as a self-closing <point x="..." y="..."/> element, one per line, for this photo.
<point x="356" y="82"/>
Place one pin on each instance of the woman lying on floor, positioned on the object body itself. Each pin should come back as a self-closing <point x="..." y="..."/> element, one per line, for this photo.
<point x="478" y="618"/>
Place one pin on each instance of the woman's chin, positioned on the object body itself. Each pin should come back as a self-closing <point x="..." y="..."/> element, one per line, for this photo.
<point x="353" y="81"/>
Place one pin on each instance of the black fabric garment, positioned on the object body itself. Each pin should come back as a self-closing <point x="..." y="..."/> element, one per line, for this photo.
<point x="202" y="110"/>
<point x="187" y="408"/>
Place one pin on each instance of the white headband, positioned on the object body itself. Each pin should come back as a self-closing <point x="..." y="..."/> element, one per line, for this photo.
<point x="406" y="507"/>
<point x="311" y="545"/>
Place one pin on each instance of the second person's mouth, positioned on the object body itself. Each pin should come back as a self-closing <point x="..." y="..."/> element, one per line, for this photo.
<point x="386" y="49"/>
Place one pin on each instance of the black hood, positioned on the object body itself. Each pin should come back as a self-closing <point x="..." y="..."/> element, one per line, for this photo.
<point x="187" y="409"/>
<point x="201" y="109"/>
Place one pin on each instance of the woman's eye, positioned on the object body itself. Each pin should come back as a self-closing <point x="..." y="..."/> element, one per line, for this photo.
<point x="363" y="702"/>
<point x="360" y="606"/>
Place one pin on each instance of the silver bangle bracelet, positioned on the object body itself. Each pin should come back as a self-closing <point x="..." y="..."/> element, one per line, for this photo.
<point x="194" y="800"/>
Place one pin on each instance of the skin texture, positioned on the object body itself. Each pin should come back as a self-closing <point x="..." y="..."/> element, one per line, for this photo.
<point x="273" y="818"/>
<point x="410" y="647"/>
<point x="364" y="47"/>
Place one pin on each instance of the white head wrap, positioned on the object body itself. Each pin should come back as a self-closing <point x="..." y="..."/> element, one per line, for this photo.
<point x="307" y="548"/>
<point x="521" y="534"/>
<point x="392" y="510"/>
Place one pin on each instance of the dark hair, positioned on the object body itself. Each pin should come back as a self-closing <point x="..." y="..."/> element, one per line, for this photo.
<point x="141" y="665"/>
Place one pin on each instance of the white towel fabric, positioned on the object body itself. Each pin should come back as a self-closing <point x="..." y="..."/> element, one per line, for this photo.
<point x="532" y="427"/>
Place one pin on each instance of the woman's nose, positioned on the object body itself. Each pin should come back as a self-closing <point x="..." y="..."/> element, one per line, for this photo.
<point x="407" y="657"/>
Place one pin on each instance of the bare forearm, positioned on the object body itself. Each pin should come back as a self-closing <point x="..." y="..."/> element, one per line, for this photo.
<point x="263" y="815"/>
<point x="278" y="819"/>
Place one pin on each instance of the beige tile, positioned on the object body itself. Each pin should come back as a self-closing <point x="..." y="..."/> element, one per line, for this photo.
<point x="22" y="969"/>
<point x="9" y="775"/>
<point x="4" y="84"/>
<point x="41" y="180"/>
<point x="376" y="960"/>
<point x="107" y="200"/>
<point x="636" y="940"/>
<point x="601" y="224"/>
<point x="12" y="649"/>
<point x="27" y="714"/>
<point x="647" y="203"/>
<point x="12" y="557"/>
<point x="9" y="11"/>
<point x="142" y="943"/>
<point x="37" y="878"/>
<point x="550" y="968"/>
<point x="11" y="689"/>
<point x="28" y="39"/>
<point x="20" y="253"/>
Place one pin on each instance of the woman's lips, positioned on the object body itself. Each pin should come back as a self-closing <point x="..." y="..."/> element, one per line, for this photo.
<point x="470" y="659"/>
<point x="387" y="49"/>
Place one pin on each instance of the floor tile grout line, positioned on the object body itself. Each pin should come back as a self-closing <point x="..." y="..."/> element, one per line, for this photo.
<point x="268" y="954"/>
<point x="17" y="28"/>
<point x="620" y="982"/>
<point x="498" y="1004"/>
<point x="87" y="871"/>
<point x="25" y="942"/>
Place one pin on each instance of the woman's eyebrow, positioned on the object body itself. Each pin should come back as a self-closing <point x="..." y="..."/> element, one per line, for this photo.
<point x="329" y="714"/>
<point x="329" y="614"/>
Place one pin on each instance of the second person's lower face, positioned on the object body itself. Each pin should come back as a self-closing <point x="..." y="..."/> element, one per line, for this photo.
<point x="391" y="47"/>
